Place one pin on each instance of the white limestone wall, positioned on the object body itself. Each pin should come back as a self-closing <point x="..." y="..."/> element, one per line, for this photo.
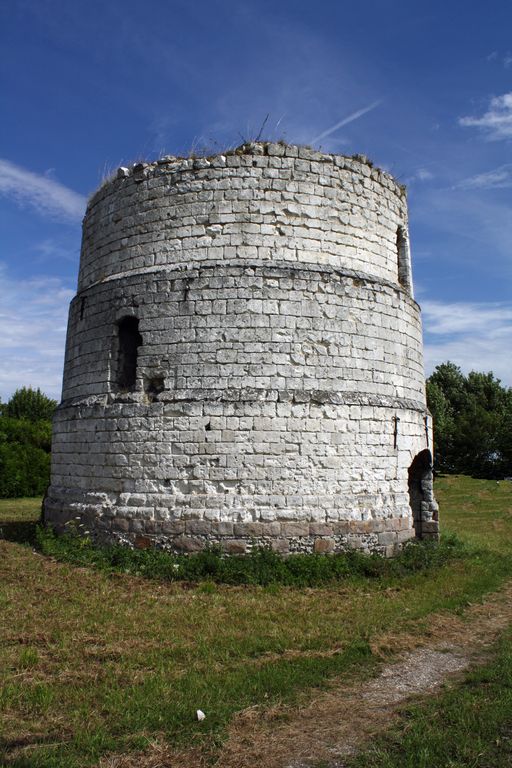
<point x="264" y="202"/>
<point x="277" y="319"/>
<point x="238" y="326"/>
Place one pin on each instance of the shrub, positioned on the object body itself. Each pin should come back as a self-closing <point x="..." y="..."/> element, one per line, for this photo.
<point x="24" y="457"/>
<point x="260" y="567"/>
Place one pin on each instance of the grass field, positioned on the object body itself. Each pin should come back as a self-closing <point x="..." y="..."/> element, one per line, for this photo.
<point x="95" y="662"/>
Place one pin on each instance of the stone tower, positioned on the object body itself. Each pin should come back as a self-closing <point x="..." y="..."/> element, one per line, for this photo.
<point x="244" y="359"/>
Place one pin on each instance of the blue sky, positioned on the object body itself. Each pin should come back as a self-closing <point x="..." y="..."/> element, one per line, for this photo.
<point x="423" y="89"/>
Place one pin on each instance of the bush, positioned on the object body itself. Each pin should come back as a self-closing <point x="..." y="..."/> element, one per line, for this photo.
<point x="24" y="457"/>
<point x="261" y="567"/>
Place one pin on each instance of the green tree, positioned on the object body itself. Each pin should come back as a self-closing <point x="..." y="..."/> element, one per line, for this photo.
<point x="442" y="414"/>
<point x="472" y="419"/>
<point x="30" y="404"/>
<point x="25" y="443"/>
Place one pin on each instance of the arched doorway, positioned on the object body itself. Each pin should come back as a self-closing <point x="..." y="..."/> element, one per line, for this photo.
<point x="421" y="494"/>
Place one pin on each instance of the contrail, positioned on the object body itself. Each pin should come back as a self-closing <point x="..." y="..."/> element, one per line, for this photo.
<point x="346" y="120"/>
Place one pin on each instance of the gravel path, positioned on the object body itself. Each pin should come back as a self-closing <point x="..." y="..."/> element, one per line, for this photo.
<point x="341" y="720"/>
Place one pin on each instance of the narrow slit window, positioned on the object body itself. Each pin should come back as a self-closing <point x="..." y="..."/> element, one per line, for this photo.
<point x="129" y="343"/>
<point x="403" y="258"/>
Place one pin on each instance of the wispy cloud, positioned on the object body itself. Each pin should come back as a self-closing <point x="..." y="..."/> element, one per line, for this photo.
<point x="50" y="251"/>
<point x="47" y="196"/>
<point x="33" y="316"/>
<point x="498" y="178"/>
<point x="346" y="121"/>
<point x="423" y="174"/>
<point x="475" y="335"/>
<point x="496" y="123"/>
<point x="467" y="229"/>
<point x="420" y="174"/>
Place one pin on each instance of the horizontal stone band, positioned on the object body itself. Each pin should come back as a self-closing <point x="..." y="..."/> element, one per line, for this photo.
<point x="270" y="269"/>
<point x="318" y="397"/>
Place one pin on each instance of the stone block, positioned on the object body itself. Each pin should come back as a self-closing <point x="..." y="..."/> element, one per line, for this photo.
<point x="341" y="528"/>
<point x="173" y="527"/>
<point x="430" y="527"/>
<point x="295" y="529"/>
<point x="281" y="546"/>
<point x="323" y="545"/>
<point x="121" y="524"/>
<point x="234" y="546"/>
<point x="223" y="528"/>
<point x="142" y="542"/>
<point x="321" y="529"/>
<point x="253" y="530"/>
<point x="405" y="535"/>
<point x="187" y="544"/>
<point x="198" y="527"/>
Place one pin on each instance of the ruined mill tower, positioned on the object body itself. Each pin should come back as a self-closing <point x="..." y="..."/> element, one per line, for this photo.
<point x="244" y="359"/>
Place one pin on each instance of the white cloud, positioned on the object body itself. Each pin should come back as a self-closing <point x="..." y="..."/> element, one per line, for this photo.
<point x="498" y="178"/>
<point x="475" y="335"/>
<point x="47" y="196"/>
<point x="497" y="121"/>
<point x="33" y="317"/>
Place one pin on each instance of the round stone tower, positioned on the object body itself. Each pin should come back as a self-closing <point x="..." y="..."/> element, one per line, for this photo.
<point x="244" y="360"/>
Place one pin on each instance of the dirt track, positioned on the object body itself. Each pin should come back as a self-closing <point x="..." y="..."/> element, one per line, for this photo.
<point x="338" y="722"/>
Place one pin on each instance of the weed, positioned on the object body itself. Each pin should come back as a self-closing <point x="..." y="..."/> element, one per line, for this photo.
<point x="29" y="657"/>
<point x="261" y="567"/>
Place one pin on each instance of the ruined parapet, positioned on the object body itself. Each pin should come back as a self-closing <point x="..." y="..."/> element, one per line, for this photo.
<point x="244" y="359"/>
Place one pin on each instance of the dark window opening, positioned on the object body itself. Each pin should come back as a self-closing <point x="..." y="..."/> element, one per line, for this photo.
<point x="402" y="249"/>
<point x="421" y="490"/>
<point x="153" y="387"/>
<point x="129" y="343"/>
<point x="82" y="308"/>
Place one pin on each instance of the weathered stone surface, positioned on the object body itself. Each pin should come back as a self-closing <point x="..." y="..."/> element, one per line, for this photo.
<point x="389" y="537"/>
<point x="320" y="529"/>
<point x="280" y="545"/>
<point x="235" y="546"/>
<point x="322" y="546"/>
<point x="142" y="542"/>
<point x="244" y="359"/>
<point x="188" y="544"/>
<point x="173" y="527"/>
<point x="295" y="529"/>
<point x="198" y="527"/>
